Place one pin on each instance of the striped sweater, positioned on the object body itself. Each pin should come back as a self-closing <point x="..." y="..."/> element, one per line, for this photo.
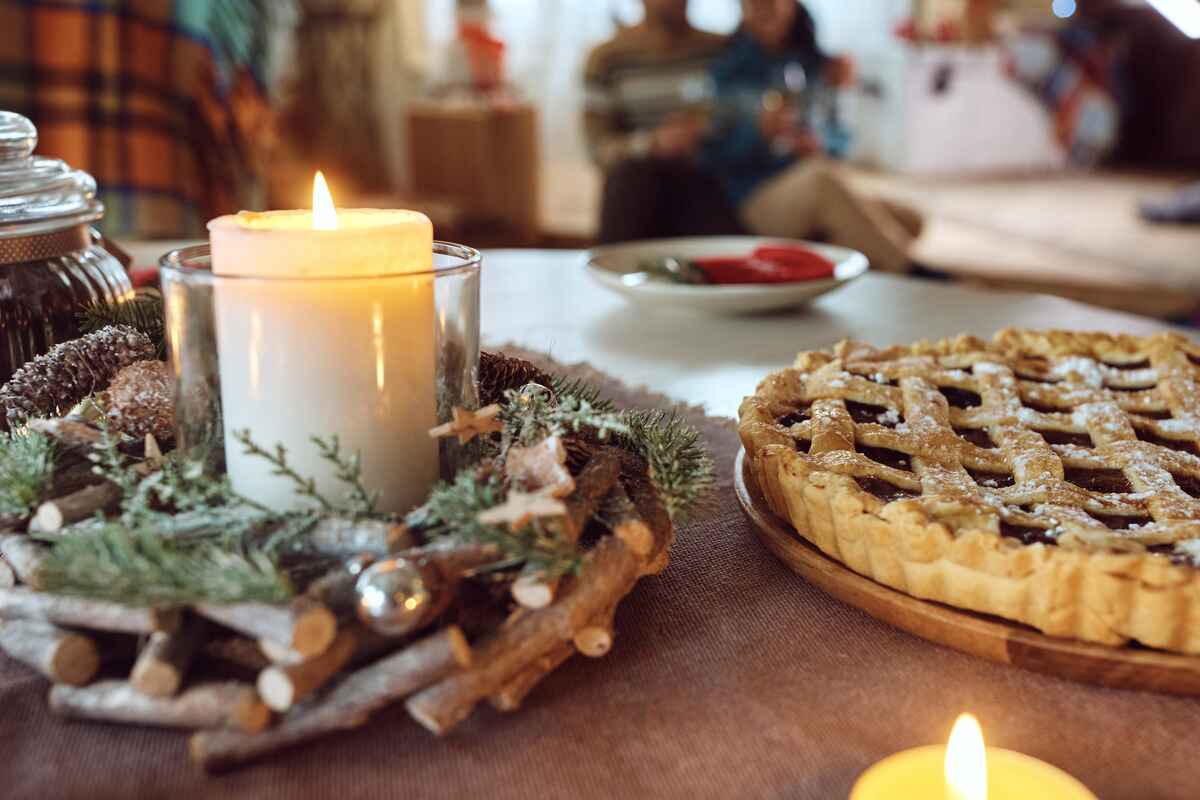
<point x="636" y="80"/>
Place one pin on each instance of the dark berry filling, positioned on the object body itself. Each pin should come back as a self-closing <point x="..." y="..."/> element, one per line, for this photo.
<point x="991" y="480"/>
<point x="803" y="445"/>
<point x="1159" y="415"/>
<point x="890" y="458"/>
<point x="960" y="398"/>
<point x="1189" y="484"/>
<point x="1036" y="378"/>
<point x="887" y="492"/>
<point x="1128" y="388"/>
<point x="1143" y="364"/>
<point x="1043" y="408"/>
<point x="1026" y="534"/>
<point x="1120" y="523"/>
<point x="1168" y="550"/>
<point x="865" y="412"/>
<point x="1182" y="445"/>
<point x="1066" y="437"/>
<point x="1111" y="481"/>
<point x="977" y="436"/>
<point x="796" y="417"/>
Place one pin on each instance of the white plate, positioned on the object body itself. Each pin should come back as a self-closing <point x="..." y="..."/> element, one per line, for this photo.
<point x="609" y="265"/>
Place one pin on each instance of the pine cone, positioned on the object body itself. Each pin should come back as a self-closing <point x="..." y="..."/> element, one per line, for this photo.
<point x="52" y="383"/>
<point x="498" y="373"/>
<point x="141" y="400"/>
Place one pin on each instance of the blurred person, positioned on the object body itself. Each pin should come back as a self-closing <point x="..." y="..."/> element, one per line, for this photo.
<point x="644" y="124"/>
<point x="162" y="101"/>
<point x="767" y="156"/>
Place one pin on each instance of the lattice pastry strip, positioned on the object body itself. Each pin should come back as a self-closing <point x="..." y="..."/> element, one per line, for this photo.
<point x="1063" y="449"/>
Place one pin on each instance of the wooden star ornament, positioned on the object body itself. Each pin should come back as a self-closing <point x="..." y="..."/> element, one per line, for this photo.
<point x="542" y="466"/>
<point x="521" y="508"/>
<point x="466" y="425"/>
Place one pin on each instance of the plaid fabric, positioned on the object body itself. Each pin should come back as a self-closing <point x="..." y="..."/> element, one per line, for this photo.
<point x="144" y="95"/>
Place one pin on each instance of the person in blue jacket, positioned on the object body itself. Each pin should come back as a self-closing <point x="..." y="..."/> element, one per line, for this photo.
<point x="775" y="117"/>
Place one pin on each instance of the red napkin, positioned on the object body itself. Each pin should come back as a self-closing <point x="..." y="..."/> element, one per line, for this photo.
<point x="767" y="264"/>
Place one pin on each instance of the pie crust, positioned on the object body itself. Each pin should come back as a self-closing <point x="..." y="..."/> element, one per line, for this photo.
<point x="1046" y="477"/>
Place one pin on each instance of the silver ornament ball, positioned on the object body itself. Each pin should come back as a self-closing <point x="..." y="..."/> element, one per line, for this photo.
<point x="395" y="597"/>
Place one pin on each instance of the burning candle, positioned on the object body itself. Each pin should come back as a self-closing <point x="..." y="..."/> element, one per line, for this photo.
<point x="965" y="770"/>
<point x="325" y="325"/>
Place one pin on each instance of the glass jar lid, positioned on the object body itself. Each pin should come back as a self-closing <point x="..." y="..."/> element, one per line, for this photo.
<point x="39" y="195"/>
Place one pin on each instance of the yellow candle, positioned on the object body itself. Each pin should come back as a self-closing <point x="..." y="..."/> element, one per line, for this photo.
<point x="326" y="326"/>
<point x="962" y="771"/>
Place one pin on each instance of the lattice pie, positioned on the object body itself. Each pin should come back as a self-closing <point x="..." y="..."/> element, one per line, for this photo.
<point x="1051" y="478"/>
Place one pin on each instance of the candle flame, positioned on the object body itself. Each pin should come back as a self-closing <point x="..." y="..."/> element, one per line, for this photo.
<point x="966" y="761"/>
<point x="324" y="214"/>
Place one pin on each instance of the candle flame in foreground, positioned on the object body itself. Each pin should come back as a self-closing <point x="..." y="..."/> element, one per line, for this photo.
<point x="966" y="761"/>
<point x="324" y="214"/>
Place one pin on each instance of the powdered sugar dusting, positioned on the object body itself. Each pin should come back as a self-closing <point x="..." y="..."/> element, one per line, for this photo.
<point x="990" y="368"/>
<point x="1085" y="369"/>
<point x="1182" y="425"/>
<point x="889" y="417"/>
<point x="1028" y="416"/>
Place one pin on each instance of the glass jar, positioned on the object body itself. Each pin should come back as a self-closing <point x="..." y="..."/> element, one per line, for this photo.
<point x="52" y="264"/>
<point x="287" y="358"/>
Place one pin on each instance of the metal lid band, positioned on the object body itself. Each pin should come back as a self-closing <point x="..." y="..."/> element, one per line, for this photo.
<point x="43" y="246"/>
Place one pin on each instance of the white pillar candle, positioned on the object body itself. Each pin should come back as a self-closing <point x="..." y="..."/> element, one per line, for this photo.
<point x="325" y="326"/>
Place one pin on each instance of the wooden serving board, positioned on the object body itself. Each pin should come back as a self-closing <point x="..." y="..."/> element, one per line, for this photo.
<point x="978" y="634"/>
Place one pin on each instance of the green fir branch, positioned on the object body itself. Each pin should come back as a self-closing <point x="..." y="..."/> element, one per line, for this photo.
<point x="111" y="464"/>
<point x="305" y="487"/>
<point x="141" y="566"/>
<point x="348" y="470"/>
<point x="533" y="413"/>
<point x="144" y="311"/>
<point x="27" y="461"/>
<point x="452" y="511"/>
<point x="679" y="465"/>
<point x="580" y="390"/>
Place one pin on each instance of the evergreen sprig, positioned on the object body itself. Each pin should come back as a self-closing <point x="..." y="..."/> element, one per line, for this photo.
<point x="582" y="391"/>
<point x="348" y="470"/>
<point x="111" y="464"/>
<point x="141" y="565"/>
<point x="27" y="462"/>
<point x="452" y="512"/>
<point x="305" y="487"/>
<point x="679" y="465"/>
<point x="144" y="312"/>
<point x="534" y="412"/>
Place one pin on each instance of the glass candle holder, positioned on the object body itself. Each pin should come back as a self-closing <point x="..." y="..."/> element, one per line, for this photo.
<point x="281" y="360"/>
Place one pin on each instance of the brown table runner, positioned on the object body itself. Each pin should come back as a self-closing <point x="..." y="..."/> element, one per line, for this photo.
<point x="731" y="677"/>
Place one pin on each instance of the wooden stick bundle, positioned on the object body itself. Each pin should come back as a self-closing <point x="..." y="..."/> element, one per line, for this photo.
<point x="282" y="686"/>
<point x="25" y="556"/>
<point x="304" y="625"/>
<point x="54" y="515"/>
<point x="510" y="696"/>
<point x="208" y="705"/>
<point x="347" y="705"/>
<point x="595" y="639"/>
<point x="595" y="481"/>
<point x="610" y="571"/>
<point x="60" y="655"/>
<point x="78" y="612"/>
<point x="164" y="661"/>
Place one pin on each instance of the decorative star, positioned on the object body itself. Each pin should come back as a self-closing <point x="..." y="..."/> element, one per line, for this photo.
<point x="521" y="508"/>
<point x="466" y="425"/>
<point x="542" y="466"/>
